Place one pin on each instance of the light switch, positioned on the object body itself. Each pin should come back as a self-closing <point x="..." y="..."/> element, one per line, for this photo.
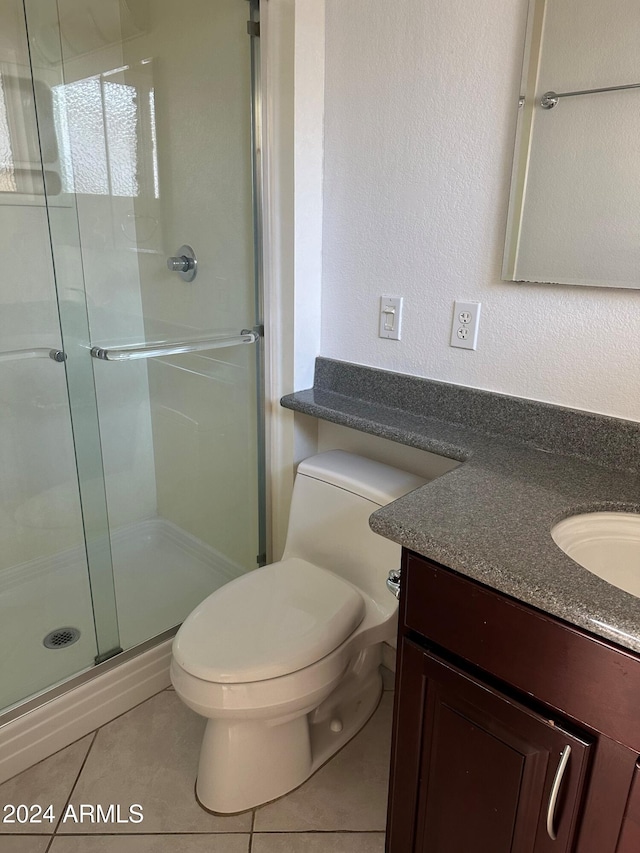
<point x="390" y="317"/>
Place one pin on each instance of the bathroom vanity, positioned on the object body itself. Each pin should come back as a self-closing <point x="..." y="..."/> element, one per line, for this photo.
<point x="517" y="719"/>
<point x="514" y="731"/>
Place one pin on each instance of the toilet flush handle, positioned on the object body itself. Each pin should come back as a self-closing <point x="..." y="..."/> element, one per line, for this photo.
<point x="393" y="582"/>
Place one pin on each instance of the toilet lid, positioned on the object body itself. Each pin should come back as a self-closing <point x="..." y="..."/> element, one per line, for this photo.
<point x="269" y="622"/>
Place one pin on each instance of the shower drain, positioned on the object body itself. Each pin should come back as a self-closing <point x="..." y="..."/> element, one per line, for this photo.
<point x="61" y="638"/>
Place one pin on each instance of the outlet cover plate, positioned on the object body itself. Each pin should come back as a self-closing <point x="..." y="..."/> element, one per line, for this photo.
<point x="464" y="328"/>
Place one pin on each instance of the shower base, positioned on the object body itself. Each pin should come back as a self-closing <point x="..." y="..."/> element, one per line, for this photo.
<point x="160" y="573"/>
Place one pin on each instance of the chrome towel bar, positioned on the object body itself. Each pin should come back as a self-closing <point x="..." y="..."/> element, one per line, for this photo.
<point x="246" y="336"/>
<point x="550" y="99"/>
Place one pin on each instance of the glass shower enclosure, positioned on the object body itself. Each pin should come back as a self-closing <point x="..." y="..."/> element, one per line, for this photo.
<point x="131" y="440"/>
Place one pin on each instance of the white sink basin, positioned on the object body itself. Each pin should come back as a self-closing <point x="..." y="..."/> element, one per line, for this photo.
<point x="607" y="544"/>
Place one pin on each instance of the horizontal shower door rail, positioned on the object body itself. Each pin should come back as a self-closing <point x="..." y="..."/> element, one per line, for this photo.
<point x="246" y="336"/>
<point x="38" y="352"/>
<point x="550" y="99"/>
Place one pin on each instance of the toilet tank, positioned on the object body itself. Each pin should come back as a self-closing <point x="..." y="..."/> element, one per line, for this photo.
<point x="333" y="496"/>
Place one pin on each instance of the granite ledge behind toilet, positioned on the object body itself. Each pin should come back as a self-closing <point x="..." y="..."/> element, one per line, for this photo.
<point x="603" y="440"/>
<point x="491" y="517"/>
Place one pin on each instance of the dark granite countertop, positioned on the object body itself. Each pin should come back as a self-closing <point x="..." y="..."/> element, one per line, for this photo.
<point x="490" y="518"/>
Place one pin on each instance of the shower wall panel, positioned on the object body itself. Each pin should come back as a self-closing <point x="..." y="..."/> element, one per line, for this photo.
<point x="92" y="121"/>
<point x="196" y="54"/>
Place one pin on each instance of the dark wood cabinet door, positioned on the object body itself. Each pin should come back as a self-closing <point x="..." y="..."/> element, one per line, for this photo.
<point x="629" y="841"/>
<point x="487" y="768"/>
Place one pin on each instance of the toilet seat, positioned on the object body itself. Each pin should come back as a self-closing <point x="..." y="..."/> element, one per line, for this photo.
<point x="268" y="623"/>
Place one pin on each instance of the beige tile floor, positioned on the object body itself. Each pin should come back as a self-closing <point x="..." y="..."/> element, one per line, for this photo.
<point x="149" y="756"/>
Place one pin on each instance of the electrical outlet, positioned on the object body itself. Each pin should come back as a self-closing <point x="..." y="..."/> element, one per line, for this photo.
<point x="464" y="328"/>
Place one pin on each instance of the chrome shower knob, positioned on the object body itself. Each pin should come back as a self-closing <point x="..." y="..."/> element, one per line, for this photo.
<point x="181" y="264"/>
<point x="184" y="263"/>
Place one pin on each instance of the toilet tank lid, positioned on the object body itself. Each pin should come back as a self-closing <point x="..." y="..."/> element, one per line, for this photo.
<point x="374" y="481"/>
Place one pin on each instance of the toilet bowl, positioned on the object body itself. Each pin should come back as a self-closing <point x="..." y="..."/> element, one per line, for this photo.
<point x="284" y="661"/>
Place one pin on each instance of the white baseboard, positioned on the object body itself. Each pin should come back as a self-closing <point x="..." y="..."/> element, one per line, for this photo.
<point x="50" y="727"/>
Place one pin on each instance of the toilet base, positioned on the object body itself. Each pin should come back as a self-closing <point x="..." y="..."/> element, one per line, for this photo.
<point x="247" y="763"/>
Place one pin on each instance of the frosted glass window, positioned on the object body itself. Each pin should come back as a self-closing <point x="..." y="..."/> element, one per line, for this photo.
<point x="154" y="143"/>
<point x="121" y="112"/>
<point x="97" y="129"/>
<point x="7" y="175"/>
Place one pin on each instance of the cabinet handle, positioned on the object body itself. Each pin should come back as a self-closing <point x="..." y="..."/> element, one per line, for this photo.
<point x="555" y="790"/>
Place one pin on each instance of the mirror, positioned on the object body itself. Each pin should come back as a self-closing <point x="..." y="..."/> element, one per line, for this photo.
<point x="574" y="211"/>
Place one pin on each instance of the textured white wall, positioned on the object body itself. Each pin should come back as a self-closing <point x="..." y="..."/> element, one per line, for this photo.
<point x="308" y="163"/>
<point x="420" y="115"/>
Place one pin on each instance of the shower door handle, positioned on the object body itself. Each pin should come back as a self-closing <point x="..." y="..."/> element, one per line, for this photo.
<point x="246" y="336"/>
<point x="38" y="352"/>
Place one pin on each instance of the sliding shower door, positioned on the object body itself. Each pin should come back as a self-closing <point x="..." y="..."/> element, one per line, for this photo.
<point x="136" y="195"/>
<point x="57" y="603"/>
<point x="151" y="109"/>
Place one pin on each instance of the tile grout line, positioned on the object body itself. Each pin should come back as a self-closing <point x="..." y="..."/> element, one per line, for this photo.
<point x="252" y="829"/>
<point x="73" y="787"/>
<point x="333" y="831"/>
<point x="203" y="833"/>
<point x="253" y="825"/>
<point x="94" y="731"/>
<point x="207" y="834"/>
<point x="77" y="779"/>
<point x="46" y="758"/>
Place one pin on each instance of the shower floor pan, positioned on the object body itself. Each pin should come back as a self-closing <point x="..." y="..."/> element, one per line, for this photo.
<point x="160" y="572"/>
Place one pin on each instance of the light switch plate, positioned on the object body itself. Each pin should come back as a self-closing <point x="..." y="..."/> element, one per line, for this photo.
<point x="464" y="328"/>
<point x="390" y="317"/>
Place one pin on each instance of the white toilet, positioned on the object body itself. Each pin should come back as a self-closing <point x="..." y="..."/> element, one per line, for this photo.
<point x="284" y="661"/>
